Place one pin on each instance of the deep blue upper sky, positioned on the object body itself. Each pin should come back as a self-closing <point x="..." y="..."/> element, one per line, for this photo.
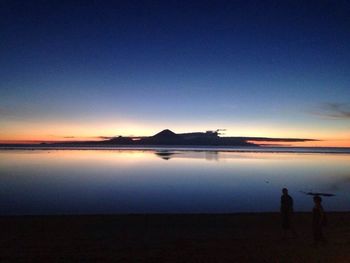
<point x="254" y="67"/>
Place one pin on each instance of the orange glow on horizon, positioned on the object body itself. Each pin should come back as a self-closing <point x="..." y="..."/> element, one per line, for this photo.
<point x="320" y="143"/>
<point x="32" y="133"/>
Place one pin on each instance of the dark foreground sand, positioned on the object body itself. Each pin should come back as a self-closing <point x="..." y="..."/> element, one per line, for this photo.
<point x="169" y="238"/>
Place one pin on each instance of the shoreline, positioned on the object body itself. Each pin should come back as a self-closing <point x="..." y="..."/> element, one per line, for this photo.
<point x="184" y="148"/>
<point x="241" y="237"/>
<point x="166" y="214"/>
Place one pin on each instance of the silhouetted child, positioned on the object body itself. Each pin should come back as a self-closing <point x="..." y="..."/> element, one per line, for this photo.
<point x="287" y="213"/>
<point x="318" y="220"/>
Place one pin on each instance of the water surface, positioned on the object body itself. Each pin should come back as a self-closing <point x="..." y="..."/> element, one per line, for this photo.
<point x="107" y="181"/>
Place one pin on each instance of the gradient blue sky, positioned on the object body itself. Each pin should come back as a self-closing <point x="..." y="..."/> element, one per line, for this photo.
<point x="96" y="68"/>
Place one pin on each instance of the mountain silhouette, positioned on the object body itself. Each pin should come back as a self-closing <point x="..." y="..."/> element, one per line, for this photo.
<point x="165" y="137"/>
<point x="167" y="134"/>
<point x="168" y="137"/>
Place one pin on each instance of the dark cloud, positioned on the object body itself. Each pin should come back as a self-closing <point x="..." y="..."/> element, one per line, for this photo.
<point x="267" y="139"/>
<point x="93" y="137"/>
<point x="333" y="110"/>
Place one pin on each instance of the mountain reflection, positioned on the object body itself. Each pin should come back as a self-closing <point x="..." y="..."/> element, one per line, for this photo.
<point x="206" y="155"/>
<point x="165" y="155"/>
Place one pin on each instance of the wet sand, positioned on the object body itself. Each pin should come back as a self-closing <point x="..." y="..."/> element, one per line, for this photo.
<point x="170" y="238"/>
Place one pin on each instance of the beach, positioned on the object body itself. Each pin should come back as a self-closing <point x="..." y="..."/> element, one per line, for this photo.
<point x="251" y="237"/>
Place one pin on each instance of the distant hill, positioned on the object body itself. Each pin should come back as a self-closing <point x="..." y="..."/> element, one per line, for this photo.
<point x="168" y="137"/>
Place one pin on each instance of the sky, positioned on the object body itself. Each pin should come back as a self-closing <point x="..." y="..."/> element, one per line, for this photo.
<point x="78" y="70"/>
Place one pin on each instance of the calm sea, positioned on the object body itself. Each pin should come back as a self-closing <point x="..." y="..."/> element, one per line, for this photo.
<point x="164" y="180"/>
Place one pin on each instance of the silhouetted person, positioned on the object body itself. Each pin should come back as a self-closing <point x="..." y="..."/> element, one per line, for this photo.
<point x="318" y="220"/>
<point x="287" y="213"/>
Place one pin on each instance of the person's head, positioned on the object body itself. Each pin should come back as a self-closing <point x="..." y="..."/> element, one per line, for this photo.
<point x="285" y="191"/>
<point x="317" y="199"/>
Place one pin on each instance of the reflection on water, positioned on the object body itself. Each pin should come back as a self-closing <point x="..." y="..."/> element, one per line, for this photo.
<point x="165" y="155"/>
<point x="139" y="181"/>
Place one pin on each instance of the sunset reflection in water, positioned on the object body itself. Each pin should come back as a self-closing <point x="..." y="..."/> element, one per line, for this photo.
<point x="166" y="181"/>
